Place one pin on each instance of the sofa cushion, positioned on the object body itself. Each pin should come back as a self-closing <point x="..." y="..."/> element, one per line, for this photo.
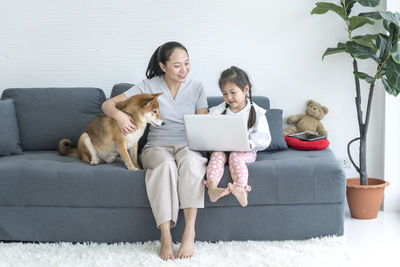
<point x="43" y="178"/>
<point x="9" y="132"/>
<point x="297" y="143"/>
<point x="120" y="88"/>
<point x="291" y="177"/>
<point x="45" y="115"/>
<point x="275" y="123"/>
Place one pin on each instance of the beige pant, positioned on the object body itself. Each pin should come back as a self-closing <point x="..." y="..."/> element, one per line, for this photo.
<point x="174" y="179"/>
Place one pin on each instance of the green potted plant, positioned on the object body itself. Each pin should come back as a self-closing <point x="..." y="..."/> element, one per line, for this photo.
<point x="364" y="194"/>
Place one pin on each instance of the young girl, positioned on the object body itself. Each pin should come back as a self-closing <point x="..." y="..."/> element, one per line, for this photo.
<point x="235" y="85"/>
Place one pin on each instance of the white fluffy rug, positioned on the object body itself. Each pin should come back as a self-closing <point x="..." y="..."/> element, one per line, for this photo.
<point x="327" y="251"/>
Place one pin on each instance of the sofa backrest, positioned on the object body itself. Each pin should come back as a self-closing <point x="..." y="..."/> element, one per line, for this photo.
<point x="262" y="101"/>
<point x="45" y="115"/>
<point x="274" y="117"/>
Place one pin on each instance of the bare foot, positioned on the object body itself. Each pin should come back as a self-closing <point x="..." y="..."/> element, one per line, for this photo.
<point x="217" y="193"/>
<point x="187" y="245"/>
<point x="166" y="252"/>
<point x="239" y="193"/>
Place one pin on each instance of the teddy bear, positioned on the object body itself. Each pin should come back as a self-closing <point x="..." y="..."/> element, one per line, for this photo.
<point x="309" y="122"/>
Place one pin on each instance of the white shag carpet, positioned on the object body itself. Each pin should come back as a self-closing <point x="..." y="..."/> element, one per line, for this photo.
<point x="326" y="251"/>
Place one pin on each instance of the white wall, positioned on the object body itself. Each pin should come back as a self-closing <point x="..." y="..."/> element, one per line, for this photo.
<point x="392" y="143"/>
<point x="100" y="43"/>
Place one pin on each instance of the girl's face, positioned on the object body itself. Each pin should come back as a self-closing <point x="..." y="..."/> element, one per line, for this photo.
<point x="177" y="67"/>
<point x="234" y="96"/>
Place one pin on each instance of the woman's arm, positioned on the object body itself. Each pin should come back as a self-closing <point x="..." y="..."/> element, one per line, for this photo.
<point x="124" y="121"/>
<point x="202" y="111"/>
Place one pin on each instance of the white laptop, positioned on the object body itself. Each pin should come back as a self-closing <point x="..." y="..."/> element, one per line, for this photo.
<point x="217" y="133"/>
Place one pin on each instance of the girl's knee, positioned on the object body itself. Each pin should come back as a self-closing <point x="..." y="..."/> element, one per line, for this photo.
<point x="234" y="156"/>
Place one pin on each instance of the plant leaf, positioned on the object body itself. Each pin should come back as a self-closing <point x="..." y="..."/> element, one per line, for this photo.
<point x="384" y="46"/>
<point x="393" y="73"/>
<point x="395" y="52"/>
<point x="364" y="76"/>
<point x="366" y="37"/>
<point x="323" y="7"/>
<point x="372" y="15"/>
<point x="357" y="22"/>
<point x="349" y="5"/>
<point x="366" y="40"/>
<point x="394" y="31"/>
<point x="360" y="51"/>
<point x="388" y="88"/>
<point x="339" y="49"/>
<point x="389" y="17"/>
<point x="369" y="3"/>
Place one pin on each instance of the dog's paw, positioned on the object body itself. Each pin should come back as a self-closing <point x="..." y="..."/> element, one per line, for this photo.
<point x="137" y="167"/>
<point x="131" y="167"/>
<point x="94" y="162"/>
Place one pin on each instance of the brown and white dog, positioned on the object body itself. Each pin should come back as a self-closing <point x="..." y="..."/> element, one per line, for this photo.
<point x="103" y="140"/>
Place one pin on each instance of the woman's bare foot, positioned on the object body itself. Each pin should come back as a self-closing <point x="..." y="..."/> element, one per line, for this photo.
<point x="239" y="193"/>
<point x="216" y="193"/>
<point x="187" y="244"/>
<point x="166" y="252"/>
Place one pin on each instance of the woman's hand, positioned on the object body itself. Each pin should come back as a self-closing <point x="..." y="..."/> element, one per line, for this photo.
<point x="125" y="122"/>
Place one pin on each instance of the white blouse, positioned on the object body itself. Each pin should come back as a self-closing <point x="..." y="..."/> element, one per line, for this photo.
<point x="259" y="134"/>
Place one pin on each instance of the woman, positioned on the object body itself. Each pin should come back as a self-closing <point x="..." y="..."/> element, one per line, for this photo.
<point x="174" y="177"/>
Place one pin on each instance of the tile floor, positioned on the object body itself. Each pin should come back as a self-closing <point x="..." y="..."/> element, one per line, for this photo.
<point x="374" y="242"/>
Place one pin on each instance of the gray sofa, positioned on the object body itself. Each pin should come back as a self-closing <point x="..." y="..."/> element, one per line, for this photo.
<point x="45" y="197"/>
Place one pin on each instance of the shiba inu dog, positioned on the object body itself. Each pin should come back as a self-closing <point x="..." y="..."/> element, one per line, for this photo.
<point x="103" y="140"/>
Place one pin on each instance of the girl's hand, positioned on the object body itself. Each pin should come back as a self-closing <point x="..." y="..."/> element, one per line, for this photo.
<point x="125" y="122"/>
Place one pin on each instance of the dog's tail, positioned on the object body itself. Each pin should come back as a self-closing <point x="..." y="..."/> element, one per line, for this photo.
<point x="65" y="148"/>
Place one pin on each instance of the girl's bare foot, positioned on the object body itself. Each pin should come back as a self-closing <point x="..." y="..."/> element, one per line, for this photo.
<point x="187" y="244"/>
<point x="166" y="252"/>
<point x="216" y="193"/>
<point x="239" y="193"/>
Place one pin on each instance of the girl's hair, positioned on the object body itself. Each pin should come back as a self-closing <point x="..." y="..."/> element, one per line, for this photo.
<point x="162" y="55"/>
<point x="240" y="78"/>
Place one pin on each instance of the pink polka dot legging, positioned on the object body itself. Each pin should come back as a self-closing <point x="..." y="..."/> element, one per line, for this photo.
<point x="237" y="167"/>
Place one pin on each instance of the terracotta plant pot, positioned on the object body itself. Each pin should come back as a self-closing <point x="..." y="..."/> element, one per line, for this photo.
<point x="365" y="200"/>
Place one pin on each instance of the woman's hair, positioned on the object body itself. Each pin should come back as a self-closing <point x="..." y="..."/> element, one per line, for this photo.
<point x="240" y="78"/>
<point x="162" y="55"/>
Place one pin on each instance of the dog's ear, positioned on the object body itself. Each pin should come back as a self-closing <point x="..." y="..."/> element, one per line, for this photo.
<point x="149" y="101"/>
<point x="157" y="95"/>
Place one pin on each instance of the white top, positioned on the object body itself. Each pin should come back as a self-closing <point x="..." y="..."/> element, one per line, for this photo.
<point x="189" y="98"/>
<point x="259" y="135"/>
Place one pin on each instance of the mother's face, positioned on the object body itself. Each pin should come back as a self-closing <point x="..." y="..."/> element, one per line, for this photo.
<point x="177" y="67"/>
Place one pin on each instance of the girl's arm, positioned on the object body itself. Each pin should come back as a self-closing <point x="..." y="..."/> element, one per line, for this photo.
<point x="217" y="110"/>
<point x="260" y="136"/>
